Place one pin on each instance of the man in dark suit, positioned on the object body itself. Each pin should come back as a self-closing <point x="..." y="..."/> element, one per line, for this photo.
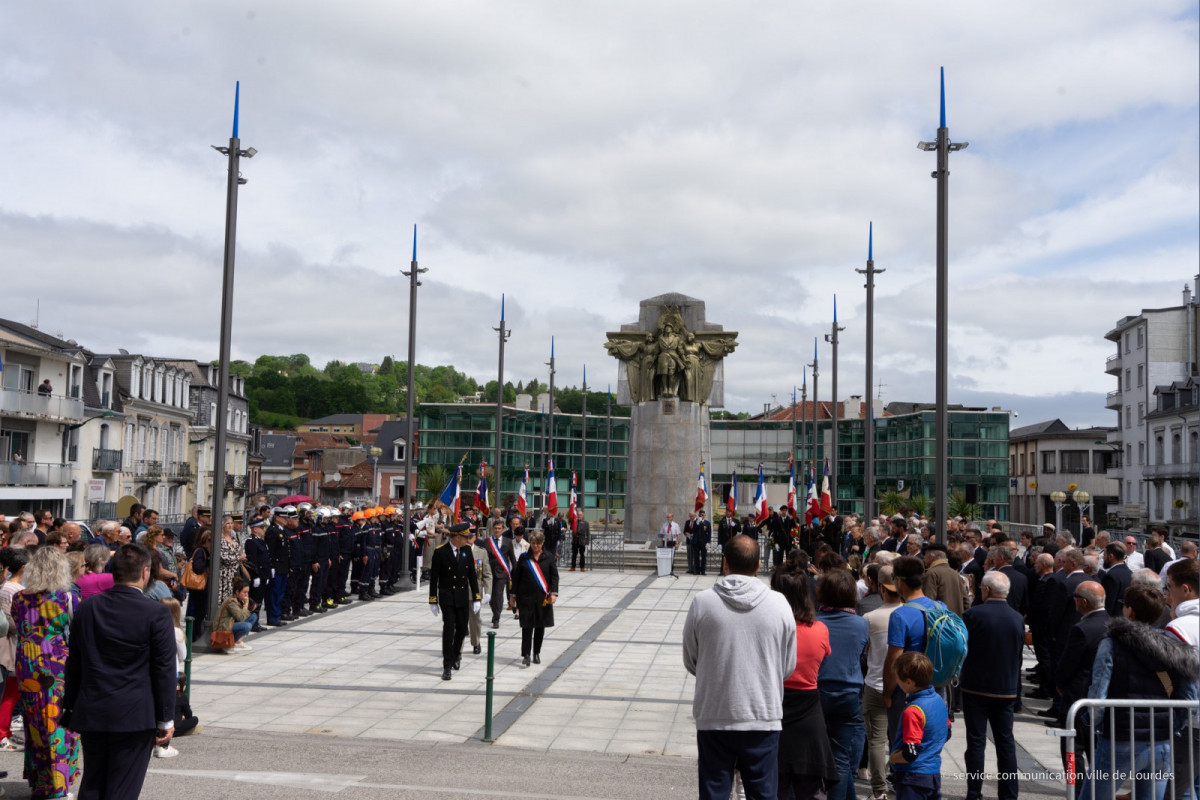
<point x="1064" y="614"/>
<point x="689" y="538"/>
<point x="1073" y="677"/>
<point x="454" y="593"/>
<point x="1116" y="580"/>
<point x="552" y="527"/>
<point x="701" y="536"/>
<point x="119" y="689"/>
<point x="991" y="682"/>
<point x="1018" y="596"/>
<point x="1042" y="596"/>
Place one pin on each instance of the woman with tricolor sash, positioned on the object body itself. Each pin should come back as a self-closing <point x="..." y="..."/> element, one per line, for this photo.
<point x="534" y="592"/>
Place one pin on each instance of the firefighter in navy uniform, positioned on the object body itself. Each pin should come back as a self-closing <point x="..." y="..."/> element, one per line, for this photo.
<point x="258" y="562"/>
<point x="297" y="566"/>
<point x="276" y="539"/>
<point x="322" y="538"/>
<point x="371" y="552"/>
<point x="454" y="593"/>
<point x="391" y="554"/>
<point x="361" y="520"/>
<point x="347" y="538"/>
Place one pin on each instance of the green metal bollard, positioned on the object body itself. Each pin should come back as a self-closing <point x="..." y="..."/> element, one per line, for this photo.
<point x="491" y="677"/>
<point x="187" y="662"/>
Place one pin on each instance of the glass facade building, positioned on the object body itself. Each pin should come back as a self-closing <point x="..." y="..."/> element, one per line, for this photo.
<point x="904" y="453"/>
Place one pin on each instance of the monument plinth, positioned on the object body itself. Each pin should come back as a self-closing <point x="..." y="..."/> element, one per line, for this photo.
<point x="670" y="375"/>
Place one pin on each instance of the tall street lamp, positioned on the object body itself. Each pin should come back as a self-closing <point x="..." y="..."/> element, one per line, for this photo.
<point x="944" y="148"/>
<point x="504" y="334"/>
<point x="869" y="422"/>
<point x="233" y="153"/>
<point x="832" y="338"/>
<point x="410" y="437"/>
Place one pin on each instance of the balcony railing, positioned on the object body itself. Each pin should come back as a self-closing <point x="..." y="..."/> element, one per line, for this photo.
<point x="235" y="483"/>
<point x="1113" y="399"/>
<point x="1113" y="365"/>
<point x="102" y="511"/>
<point x="15" y="403"/>
<point x="149" y="471"/>
<point x="105" y="460"/>
<point x="1153" y="472"/>
<point x="179" y="471"/>
<point x="13" y="473"/>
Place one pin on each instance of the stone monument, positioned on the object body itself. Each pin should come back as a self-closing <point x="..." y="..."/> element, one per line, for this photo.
<point x="670" y="374"/>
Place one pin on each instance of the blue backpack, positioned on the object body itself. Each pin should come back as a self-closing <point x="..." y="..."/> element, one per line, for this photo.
<point x="945" y="641"/>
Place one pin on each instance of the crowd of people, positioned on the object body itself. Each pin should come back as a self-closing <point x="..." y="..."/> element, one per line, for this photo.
<point x="831" y="673"/>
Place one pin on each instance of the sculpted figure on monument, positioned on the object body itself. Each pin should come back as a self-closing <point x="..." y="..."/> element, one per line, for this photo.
<point x="672" y="361"/>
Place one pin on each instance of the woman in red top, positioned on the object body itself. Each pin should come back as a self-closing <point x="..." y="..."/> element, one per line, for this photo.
<point x="806" y="764"/>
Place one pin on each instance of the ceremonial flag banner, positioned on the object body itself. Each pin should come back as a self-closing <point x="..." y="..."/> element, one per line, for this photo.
<point x="522" y="505"/>
<point x="481" y="500"/>
<point x="451" y="495"/>
<point x="814" y="504"/>
<point x="701" y="490"/>
<point x="573" y="509"/>
<point x="791" y="501"/>
<point x="731" y="502"/>
<point x="826" y="500"/>
<point x="551" y="492"/>
<point x="761" y="512"/>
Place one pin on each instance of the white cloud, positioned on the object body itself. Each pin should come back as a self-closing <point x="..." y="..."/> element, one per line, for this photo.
<point x="582" y="158"/>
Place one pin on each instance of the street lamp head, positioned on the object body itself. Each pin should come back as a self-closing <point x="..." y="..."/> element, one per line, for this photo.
<point x="927" y="146"/>
<point x="1058" y="497"/>
<point x="250" y="152"/>
<point x="1081" y="496"/>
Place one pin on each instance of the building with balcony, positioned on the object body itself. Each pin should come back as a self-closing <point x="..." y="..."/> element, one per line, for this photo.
<point x="1156" y="348"/>
<point x="41" y="390"/>
<point x="1173" y="468"/>
<point x="1051" y="457"/>
<point x="203" y="398"/>
<point x="153" y="397"/>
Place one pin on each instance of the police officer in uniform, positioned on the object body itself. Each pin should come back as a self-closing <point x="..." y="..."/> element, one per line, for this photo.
<point x="454" y="593"/>
<point x="322" y="539"/>
<point x="276" y="539"/>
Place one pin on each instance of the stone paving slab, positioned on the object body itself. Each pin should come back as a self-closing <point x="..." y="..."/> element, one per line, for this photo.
<point x="611" y="679"/>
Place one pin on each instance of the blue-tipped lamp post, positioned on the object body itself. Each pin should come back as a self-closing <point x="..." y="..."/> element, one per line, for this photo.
<point x="504" y="334"/>
<point x="233" y="153"/>
<point x="409" y="489"/>
<point x="944" y="148"/>
<point x="869" y="422"/>
<point x="832" y="338"/>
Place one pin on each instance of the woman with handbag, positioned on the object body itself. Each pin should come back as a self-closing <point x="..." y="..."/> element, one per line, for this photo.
<point x="234" y="621"/>
<point x="195" y="578"/>
<point x="231" y="560"/>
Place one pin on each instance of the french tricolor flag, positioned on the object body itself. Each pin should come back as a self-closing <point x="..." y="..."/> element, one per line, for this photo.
<point x="701" y="491"/>
<point x="451" y="496"/>
<point x="522" y="492"/>
<point x="731" y="501"/>
<point x="761" y="512"/>
<point x="791" y="500"/>
<point x="551" y="492"/>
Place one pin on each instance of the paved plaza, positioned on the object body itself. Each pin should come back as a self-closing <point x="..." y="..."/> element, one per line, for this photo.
<point x="608" y="711"/>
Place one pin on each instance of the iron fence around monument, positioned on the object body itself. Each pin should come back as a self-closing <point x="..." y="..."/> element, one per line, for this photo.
<point x="606" y="549"/>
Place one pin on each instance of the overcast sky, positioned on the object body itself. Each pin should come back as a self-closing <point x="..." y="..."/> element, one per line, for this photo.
<point x="581" y="157"/>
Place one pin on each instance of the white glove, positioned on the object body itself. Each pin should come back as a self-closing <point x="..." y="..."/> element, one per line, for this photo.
<point x="272" y="573"/>
<point x="487" y="598"/>
<point x="256" y="583"/>
<point x="475" y="607"/>
<point x="433" y="609"/>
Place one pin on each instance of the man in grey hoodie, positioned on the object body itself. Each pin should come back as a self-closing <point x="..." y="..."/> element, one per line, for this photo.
<point x="739" y="641"/>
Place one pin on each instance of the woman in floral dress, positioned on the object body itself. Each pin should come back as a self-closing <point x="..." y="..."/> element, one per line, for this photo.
<point x="42" y="613"/>
<point x="231" y="559"/>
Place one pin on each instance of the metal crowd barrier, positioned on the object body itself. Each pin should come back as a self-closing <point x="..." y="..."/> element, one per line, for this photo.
<point x="1102" y="766"/>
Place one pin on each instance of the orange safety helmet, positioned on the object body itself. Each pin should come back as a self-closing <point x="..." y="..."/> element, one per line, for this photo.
<point x="356" y="516"/>
<point x="389" y="510"/>
<point x="369" y="513"/>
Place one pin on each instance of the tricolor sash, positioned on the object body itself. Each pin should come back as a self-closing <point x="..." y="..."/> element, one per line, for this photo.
<point x="539" y="577"/>
<point x="495" y="551"/>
